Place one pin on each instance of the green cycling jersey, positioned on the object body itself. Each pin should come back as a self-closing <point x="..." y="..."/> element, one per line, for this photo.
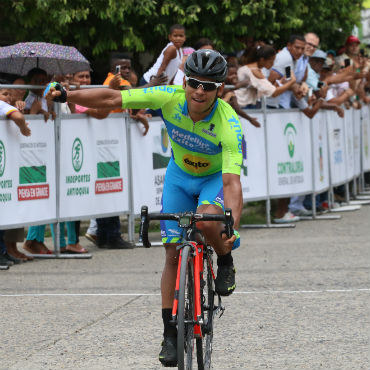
<point x="201" y="148"/>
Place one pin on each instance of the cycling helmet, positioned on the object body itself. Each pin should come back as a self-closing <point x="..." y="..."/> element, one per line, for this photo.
<point x="206" y="63"/>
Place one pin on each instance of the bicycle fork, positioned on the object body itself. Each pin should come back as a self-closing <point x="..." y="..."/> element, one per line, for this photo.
<point x="197" y="261"/>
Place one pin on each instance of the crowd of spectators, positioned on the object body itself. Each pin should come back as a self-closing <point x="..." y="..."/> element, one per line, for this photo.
<point x="300" y="75"/>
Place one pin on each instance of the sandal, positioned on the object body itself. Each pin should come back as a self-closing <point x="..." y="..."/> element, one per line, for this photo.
<point x="76" y="248"/>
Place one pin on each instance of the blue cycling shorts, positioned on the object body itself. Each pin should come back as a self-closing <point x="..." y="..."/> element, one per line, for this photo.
<point x="183" y="192"/>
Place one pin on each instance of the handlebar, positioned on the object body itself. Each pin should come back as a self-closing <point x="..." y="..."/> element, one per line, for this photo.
<point x="193" y="217"/>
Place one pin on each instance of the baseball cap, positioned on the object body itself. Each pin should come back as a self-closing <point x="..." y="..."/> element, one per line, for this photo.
<point x="351" y="39"/>
<point x="319" y="54"/>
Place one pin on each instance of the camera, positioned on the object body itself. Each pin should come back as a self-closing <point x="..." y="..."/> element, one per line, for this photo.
<point x="320" y="84"/>
<point x="347" y="62"/>
<point x="118" y="69"/>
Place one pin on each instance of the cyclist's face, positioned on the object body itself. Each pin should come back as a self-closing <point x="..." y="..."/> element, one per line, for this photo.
<point x="177" y="37"/>
<point x="200" y="102"/>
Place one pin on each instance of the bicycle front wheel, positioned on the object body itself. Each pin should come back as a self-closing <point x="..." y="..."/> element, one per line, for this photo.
<point x="204" y="344"/>
<point x="185" y="316"/>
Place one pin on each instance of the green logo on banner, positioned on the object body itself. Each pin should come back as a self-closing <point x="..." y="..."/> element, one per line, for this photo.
<point x="290" y="132"/>
<point x="2" y="158"/>
<point x="77" y="154"/>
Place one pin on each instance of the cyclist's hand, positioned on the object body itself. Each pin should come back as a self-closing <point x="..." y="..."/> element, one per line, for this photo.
<point x="228" y="243"/>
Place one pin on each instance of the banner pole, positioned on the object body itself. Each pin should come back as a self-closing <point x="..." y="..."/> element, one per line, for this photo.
<point x="268" y="200"/>
<point x="131" y="215"/>
<point x="57" y="124"/>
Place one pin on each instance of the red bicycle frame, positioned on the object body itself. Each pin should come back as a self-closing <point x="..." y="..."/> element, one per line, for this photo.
<point x="197" y="260"/>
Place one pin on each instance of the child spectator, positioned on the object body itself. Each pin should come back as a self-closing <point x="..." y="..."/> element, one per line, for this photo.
<point x="170" y="58"/>
<point x="11" y="112"/>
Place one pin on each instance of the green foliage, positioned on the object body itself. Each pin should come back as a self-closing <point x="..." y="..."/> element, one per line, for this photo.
<point x="137" y="25"/>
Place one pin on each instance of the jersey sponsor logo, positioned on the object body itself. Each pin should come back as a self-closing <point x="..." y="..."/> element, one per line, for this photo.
<point x="166" y="89"/>
<point x="195" y="164"/>
<point x="210" y="130"/>
<point x="235" y="126"/>
<point x="191" y="141"/>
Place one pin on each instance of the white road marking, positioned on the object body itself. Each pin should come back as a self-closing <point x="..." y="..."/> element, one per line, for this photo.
<point x="355" y="290"/>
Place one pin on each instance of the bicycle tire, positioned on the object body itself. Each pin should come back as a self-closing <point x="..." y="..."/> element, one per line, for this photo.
<point x="204" y="344"/>
<point x="185" y="316"/>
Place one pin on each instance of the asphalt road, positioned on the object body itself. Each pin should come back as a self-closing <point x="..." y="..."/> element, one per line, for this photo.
<point x="302" y="302"/>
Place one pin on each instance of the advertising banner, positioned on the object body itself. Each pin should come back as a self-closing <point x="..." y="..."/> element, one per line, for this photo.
<point x="289" y="153"/>
<point x="357" y="141"/>
<point x="253" y="173"/>
<point x="150" y="157"/>
<point x="93" y="167"/>
<point x="320" y="152"/>
<point x="349" y="116"/>
<point x="365" y="138"/>
<point x="337" y="148"/>
<point x="27" y="174"/>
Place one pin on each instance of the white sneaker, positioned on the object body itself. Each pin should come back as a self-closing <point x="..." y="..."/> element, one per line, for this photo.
<point x="302" y="212"/>
<point x="287" y="218"/>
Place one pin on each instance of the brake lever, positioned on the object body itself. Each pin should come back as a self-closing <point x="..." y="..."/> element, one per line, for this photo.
<point x="229" y="222"/>
<point x="144" y="226"/>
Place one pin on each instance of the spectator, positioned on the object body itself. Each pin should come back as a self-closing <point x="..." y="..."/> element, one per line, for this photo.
<point x="18" y="95"/>
<point x="252" y="84"/>
<point x="352" y="50"/>
<point x="73" y="246"/>
<point x="320" y="88"/>
<point x="5" y="263"/>
<point x="204" y="43"/>
<point x="12" y="112"/>
<point x="119" y="80"/>
<point x="179" y="77"/>
<point x="11" y="238"/>
<point x="170" y="58"/>
<point x="228" y="95"/>
<point x="84" y="78"/>
<point x="34" y="243"/>
<point x="35" y="103"/>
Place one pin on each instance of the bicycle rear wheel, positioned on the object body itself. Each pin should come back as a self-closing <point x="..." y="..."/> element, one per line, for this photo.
<point x="185" y="317"/>
<point x="204" y="344"/>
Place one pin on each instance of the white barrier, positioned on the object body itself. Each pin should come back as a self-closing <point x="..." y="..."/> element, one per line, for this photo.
<point x="93" y="171"/>
<point x="320" y="152"/>
<point x="150" y="156"/>
<point x="337" y="149"/>
<point x="253" y="172"/>
<point x="365" y="138"/>
<point x="27" y="174"/>
<point x="94" y="163"/>
<point x="289" y="154"/>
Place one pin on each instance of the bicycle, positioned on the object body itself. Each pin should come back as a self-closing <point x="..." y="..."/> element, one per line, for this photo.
<point x="194" y="307"/>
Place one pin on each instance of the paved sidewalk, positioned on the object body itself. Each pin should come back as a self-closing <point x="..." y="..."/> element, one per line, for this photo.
<point x="302" y="302"/>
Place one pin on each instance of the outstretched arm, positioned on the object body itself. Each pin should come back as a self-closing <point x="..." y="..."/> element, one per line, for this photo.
<point x="91" y="98"/>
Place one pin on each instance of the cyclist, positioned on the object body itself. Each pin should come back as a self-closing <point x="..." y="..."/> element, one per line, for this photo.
<point x="204" y="171"/>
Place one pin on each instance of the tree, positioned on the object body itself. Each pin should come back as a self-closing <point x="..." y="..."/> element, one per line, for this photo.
<point x="138" y="25"/>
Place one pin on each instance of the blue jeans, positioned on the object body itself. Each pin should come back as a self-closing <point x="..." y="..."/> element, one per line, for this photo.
<point x="2" y="244"/>
<point x="108" y="229"/>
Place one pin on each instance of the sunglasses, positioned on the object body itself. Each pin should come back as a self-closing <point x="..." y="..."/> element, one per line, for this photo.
<point x="206" y="85"/>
